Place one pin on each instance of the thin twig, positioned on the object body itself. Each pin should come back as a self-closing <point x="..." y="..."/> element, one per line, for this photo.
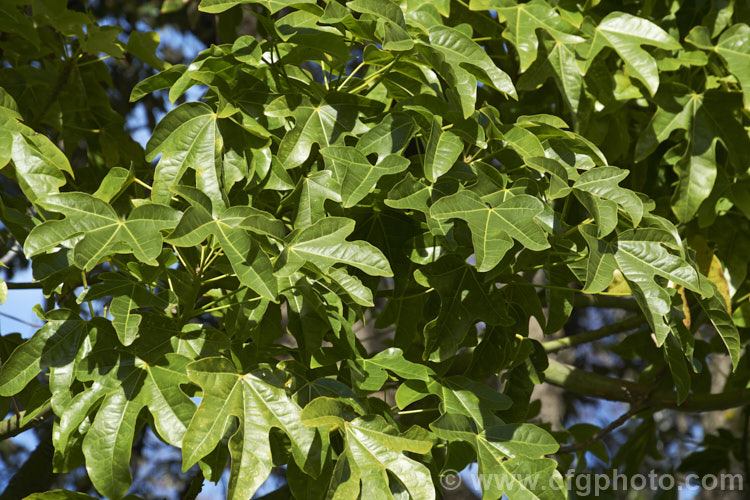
<point x="29" y="323"/>
<point x="602" y="432"/>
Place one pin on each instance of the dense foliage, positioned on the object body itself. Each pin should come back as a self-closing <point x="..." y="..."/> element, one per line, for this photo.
<point x="455" y="174"/>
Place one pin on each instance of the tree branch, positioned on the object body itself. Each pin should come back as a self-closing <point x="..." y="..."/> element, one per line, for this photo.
<point x="14" y="250"/>
<point x="29" y="323"/>
<point x="598" y="386"/>
<point x="23" y="286"/>
<point x="582" y="338"/>
<point x="602" y="432"/>
<point x="606" y="301"/>
<point x="12" y="426"/>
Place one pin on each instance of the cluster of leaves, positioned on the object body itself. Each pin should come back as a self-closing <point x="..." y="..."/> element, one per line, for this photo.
<point x="449" y="162"/>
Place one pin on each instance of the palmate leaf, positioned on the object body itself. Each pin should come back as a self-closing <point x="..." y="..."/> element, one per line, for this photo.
<point x="372" y="449"/>
<point x="55" y="347"/>
<point x="706" y="118"/>
<point x="313" y="190"/>
<point x="325" y="123"/>
<point x="251" y="265"/>
<point x="441" y="152"/>
<point x="625" y="34"/>
<point x="597" y="189"/>
<point x="108" y="442"/>
<point x="104" y="232"/>
<point x="715" y="309"/>
<point x="523" y="21"/>
<point x="462" y="396"/>
<point x="640" y="255"/>
<point x="562" y="64"/>
<point x="734" y="47"/>
<point x="389" y="136"/>
<point x="216" y="6"/>
<point x="127" y="295"/>
<point x="260" y="402"/>
<point x="187" y="137"/>
<point x="354" y="173"/>
<point x="464" y="299"/>
<point x="324" y="244"/>
<point x="39" y="164"/>
<point x="493" y="229"/>
<point x="459" y="50"/>
<point x="371" y="373"/>
<point x="463" y="62"/>
<point x="509" y="457"/>
<point x="124" y="382"/>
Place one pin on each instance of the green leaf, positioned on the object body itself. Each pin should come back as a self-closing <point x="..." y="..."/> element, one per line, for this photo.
<point x="53" y="346"/>
<point x="508" y="458"/>
<point x="563" y="66"/>
<point x="325" y="123"/>
<point x="389" y="136"/>
<point x="12" y="20"/>
<point x="108" y="442"/>
<point x="381" y="8"/>
<point x="59" y="495"/>
<point x="602" y="184"/>
<point x="187" y="137"/>
<point x="314" y="190"/>
<point x="216" y="6"/>
<point x="463" y="396"/>
<point x="524" y="20"/>
<point x="251" y="265"/>
<point x="372" y="450"/>
<point x="104" y="232"/>
<point x="143" y="45"/>
<point x="127" y="297"/>
<point x="259" y="401"/>
<point x="459" y="50"/>
<point x="705" y="118"/>
<point x="641" y="255"/>
<point x="716" y="312"/>
<point x="625" y="34"/>
<point x="114" y="183"/>
<point x="734" y="47"/>
<point x="370" y="374"/>
<point x="441" y="152"/>
<point x="464" y="299"/>
<point x="493" y="229"/>
<point x="677" y="366"/>
<point x="159" y="81"/>
<point x="354" y="173"/>
<point x="38" y="162"/>
<point x="324" y="244"/>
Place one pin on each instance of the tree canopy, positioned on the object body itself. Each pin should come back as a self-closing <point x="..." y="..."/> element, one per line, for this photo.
<point x="374" y="234"/>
